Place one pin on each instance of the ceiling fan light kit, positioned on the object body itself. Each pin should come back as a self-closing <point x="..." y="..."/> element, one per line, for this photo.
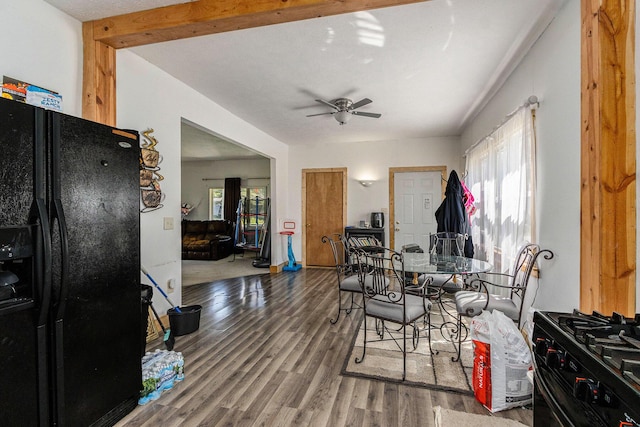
<point x="342" y="117"/>
<point x="344" y="108"/>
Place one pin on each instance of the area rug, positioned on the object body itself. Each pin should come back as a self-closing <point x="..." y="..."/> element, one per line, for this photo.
<point x="429" y="369"/>
<point x="448" y="417"/>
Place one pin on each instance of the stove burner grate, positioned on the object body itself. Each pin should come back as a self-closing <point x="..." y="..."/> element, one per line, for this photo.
<point x="621" y="358"/>
<point x="591" y="364"/>
<point x="615" y="339"/>
<point x="631" y="370"/>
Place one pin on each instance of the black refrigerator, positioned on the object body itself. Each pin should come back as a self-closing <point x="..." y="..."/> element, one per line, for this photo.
<point x="70" y="299"/>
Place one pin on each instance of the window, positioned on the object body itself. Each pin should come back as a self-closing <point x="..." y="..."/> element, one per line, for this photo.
<point x="251" y="194"/>
<point x="501" y="177"/>
<point x="216" y="203"/>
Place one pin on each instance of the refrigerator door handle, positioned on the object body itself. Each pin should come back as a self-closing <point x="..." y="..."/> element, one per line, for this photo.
<point x="58" y="325"/>
<point x="43" y="279"/>
<point x="64" y="252"/>
<point x="43" y="271"/>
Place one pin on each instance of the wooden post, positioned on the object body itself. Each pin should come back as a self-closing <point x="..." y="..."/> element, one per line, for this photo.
<point x="608" y="179"/>
<point x="98" y="79"/>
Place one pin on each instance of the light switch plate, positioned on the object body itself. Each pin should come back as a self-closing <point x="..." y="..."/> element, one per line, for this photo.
<point x="168" y="223"/>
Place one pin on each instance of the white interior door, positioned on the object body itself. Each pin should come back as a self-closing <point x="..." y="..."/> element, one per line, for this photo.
<point x="417" y="195"/>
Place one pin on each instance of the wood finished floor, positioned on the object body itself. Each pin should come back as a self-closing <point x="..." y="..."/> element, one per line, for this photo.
<point x="266" y="355"/>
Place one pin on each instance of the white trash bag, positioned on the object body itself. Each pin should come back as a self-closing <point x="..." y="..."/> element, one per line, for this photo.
<point x="501" y="360"/>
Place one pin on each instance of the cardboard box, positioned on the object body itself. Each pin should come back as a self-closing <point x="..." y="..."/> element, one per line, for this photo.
<point x="31" y="94"/>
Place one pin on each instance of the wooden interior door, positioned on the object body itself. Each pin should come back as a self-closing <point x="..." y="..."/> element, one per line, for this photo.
<point x="324" y="203"/>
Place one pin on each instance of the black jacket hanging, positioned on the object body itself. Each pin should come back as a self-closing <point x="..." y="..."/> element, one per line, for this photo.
<point x="451" y="215"/>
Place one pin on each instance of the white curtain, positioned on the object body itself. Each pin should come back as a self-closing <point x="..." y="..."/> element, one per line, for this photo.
<point x="501" y="178"/>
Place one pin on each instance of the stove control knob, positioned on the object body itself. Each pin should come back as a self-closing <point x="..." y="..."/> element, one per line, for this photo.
<point x="586" y="390"/>
<point x="542" y="345"/>
<point x="555" y="358"/>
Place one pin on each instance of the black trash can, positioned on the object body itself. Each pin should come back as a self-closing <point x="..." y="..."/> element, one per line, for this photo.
<point x="146" y="295"/>
<point x="185" y="321"/>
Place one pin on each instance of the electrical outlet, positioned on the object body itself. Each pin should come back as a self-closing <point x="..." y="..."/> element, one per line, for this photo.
<point x="171" y="285"/>
<point x="168" y="223"/>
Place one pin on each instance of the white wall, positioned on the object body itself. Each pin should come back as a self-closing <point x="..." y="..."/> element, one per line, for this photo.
<point x="367" y="160"/>
<point x="43" y="46"/>
<point x="551" y="71"/>
<point x="150" y="98"/>
<point x="195" y="190"/>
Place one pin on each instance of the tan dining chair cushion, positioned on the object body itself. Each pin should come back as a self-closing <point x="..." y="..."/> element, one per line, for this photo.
<point x="471" y="303"/>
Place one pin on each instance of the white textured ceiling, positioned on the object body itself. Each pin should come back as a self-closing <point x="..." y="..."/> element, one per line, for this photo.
<point x="199" y="144"/>
<point x="88" y="10"/>
<point x="428" y="67"/>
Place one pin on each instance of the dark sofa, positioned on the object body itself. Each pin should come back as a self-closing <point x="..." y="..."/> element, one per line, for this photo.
<point x="209" y="240"/>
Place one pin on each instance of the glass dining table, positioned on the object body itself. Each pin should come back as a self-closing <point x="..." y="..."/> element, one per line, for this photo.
<point x="456" y="267"/>
<point x="425" y="263"/>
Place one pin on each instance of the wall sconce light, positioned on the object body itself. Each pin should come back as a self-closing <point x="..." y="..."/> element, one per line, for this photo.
<point x="366" y="183"/>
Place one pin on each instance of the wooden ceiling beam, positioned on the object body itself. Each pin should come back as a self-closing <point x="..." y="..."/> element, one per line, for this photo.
<point x="204" y="17"/>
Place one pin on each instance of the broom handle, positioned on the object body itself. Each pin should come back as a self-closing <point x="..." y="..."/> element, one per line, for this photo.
<point x="155" y="314"/>
<point x="160" y="289"/>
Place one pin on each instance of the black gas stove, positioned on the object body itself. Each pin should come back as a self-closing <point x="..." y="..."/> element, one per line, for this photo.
<point x="587" y="369"/>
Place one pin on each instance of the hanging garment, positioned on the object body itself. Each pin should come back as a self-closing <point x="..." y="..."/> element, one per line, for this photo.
<point x="468" y="199"/>
<point x="451" y="215"/>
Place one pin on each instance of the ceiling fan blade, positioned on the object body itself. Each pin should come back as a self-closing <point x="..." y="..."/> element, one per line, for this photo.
<point x="362" y="113"/>
<point x="360" y="103"/>
<point x="319" y="114"/>
<point x="322" y="101"/>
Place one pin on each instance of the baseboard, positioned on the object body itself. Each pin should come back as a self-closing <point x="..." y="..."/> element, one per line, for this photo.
<point x="276" y="268"/>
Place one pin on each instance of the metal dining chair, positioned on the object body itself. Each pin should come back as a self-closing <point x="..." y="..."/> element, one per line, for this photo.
<point x="345" y="272"/>
<point x="447" y="244"/>
<point x="483" y="293"/>
<point x="386" y="301"/>
<point x="347" y="267"/>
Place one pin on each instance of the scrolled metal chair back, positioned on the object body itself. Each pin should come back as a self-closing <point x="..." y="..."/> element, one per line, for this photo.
<point x="381" y="274"/>
<point x="339" y="249"/>
<point x="524" y="265"/>
<point x="447" y="243"/>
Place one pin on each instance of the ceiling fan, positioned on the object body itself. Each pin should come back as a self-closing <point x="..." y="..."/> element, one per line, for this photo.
<point x="344" y="108"/>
